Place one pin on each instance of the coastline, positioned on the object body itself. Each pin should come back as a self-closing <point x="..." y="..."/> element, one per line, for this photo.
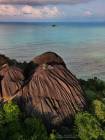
<point x="81" y="45"/>
<point x="82" y="93"/>
<point x="84" y="65"/>
<point x="76" y="69"/>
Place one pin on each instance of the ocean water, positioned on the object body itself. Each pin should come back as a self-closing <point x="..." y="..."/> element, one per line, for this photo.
<point x="81" y="45"/>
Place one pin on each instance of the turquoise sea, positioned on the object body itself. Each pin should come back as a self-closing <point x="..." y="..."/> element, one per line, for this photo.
<point x="81" y="45"/>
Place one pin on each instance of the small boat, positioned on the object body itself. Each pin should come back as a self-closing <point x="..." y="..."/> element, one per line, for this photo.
<point x="53" y="25"/>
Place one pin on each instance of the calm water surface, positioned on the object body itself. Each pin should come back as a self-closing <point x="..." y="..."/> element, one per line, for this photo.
<point x="82" y="45"/>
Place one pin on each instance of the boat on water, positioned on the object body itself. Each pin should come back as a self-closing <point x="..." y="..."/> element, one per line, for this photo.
<point x="53" y="25"/>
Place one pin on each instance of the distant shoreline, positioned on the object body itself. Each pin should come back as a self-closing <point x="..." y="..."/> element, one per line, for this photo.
<point x="23" y="65"/>
<point x="48" y="22"/>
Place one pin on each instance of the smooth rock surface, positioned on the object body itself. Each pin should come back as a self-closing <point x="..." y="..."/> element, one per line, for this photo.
<point x="49" y="90"/>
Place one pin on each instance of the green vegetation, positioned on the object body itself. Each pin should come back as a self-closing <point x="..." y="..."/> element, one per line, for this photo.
<point x="14" y="125"/>
<point x="88" y="125"/>
<point x="99" y="110"/>
<point x="94" y="88"/>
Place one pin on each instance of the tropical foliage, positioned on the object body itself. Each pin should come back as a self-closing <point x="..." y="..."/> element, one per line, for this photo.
<point x="14" y="125"/>
<point x="89" y="125"/>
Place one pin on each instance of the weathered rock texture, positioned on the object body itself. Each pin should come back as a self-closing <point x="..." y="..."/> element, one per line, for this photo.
<point x="48" y="58"/>
<point x="50" y="90"/>
<point x="11" y="81"/>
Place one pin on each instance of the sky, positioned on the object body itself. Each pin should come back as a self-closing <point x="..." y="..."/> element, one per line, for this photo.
<point x="52" y="10"/>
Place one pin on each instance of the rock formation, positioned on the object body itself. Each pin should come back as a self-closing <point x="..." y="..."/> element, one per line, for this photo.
<point x="49" y="90"/>
<point x="4" y="60"/>
<point x="46" y="58"/>
<point x="11" y="81"/>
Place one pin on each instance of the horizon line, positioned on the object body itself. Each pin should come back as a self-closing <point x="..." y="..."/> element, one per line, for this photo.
<point x="52" y="21"/>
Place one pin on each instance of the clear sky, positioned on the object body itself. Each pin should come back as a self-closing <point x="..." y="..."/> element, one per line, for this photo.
<point x="52" y="10"/>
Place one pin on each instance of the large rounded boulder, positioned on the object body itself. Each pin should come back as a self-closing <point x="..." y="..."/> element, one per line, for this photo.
<point x="49" y="58"/>
<point x="52" y="91"/>
<point x="47" y="90"/>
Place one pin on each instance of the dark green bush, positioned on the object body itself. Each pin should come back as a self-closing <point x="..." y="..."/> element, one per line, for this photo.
<point x="14" y="126"/>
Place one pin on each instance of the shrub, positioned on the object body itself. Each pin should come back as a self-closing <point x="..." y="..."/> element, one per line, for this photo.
<point x="34" y="128"/>
<point x="87" y="127"/>
<point x="14" y="126"/>
<point x="52" y="136"/>
<point x="99" y="109"/>
<point x="11" y="111"/>
<point x="91" y="95"/>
